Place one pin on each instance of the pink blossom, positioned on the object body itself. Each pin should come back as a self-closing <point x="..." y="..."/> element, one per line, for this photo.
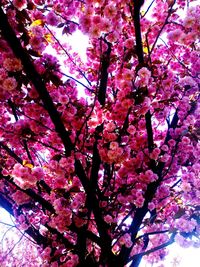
<point x="37" y="43"/>
<point x="155" y="154"/>
<point x="20" y="197"/>
<point x="165" y="148"/>
<point x="131" y="129"/>
<point x="186" y="187"/>
<point x="139" y="201"/>
<point x="96" y="19"/>
<point x="85" y="22"/>
<point x="20" y="4"/>
<point x="37" y="31"/>
<point x="63" y="99"/>
<point x="183" y="242"/>
<point x="110" y="11"/>
<point x="94" y="31"/>
<point x="112" y="37"/>
<point x="114" y="145"/>
<point x="110" y="126"/>
<point x="52" y="19"/>
<point x="144" y="76"/>
<point x="165" y="158"/>
<point x="12" y="64"/>
<point x="129" y="43"/>
<point x="9" y="84"/>
<point x="105" y="25"/>
<point x="3" y="74"/>
<point x="175" y="35"/>
<point x="108" y="219"/>
<point x="151" y="206"/>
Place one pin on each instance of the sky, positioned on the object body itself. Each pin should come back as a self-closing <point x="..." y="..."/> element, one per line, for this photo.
<point x="179" y="257"/>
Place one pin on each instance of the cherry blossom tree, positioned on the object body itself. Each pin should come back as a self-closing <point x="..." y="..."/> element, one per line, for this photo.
<point x="99" y="158"/>
<point x="15" y="247"/>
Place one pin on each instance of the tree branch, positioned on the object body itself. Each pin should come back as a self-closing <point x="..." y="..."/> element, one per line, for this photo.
<point x="9" y="35"/>
<point x="149" y="131"/>
<point x="136" y="18"/>
<point x="104" y="75"/>
<point x="39" y="239"/>
<point x="11" y="153"/>
<point x="5" y="204"/>
<point x="134" y="259"/>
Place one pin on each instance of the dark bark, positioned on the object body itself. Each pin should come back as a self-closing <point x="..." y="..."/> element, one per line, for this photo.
<point x="105" y="62"/>
<point x="32" y="194"/>
<point x="151" y="189"/>
<point x="136" y="18"/>
<point x="11" y="153"/>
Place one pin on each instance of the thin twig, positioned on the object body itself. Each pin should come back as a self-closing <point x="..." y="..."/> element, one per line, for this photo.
<point x="69" y="56"/>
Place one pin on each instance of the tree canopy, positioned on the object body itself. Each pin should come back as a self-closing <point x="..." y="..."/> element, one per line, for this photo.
<point x="99" y="157"/>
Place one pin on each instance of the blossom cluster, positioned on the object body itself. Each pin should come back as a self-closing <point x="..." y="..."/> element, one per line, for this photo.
<point x="26" y="177"/>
